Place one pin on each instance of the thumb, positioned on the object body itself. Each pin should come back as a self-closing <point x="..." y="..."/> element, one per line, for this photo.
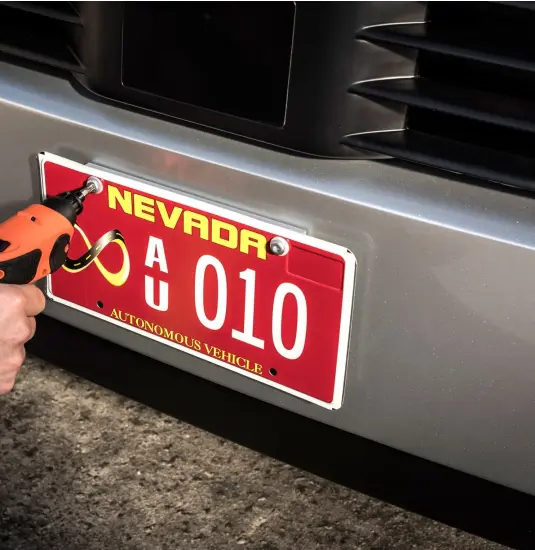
<point x="34" y="300"/>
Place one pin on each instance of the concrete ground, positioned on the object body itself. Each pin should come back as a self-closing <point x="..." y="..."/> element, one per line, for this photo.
<point x="82" y="468"/>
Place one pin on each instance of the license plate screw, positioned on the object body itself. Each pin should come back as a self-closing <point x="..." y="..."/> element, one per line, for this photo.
<point x="94" y="185"/>
<point x="279" y="246"/>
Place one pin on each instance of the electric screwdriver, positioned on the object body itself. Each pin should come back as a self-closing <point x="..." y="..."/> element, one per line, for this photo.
<point x="34" y="243"/>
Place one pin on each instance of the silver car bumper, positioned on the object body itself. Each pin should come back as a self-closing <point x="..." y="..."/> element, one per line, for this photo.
<point x="443" y="336"/>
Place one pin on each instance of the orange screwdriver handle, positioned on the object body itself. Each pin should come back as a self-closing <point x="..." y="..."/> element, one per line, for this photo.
<point x="33" y="244"/>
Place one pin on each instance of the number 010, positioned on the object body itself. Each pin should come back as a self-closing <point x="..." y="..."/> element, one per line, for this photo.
<point x="247" y="334"/>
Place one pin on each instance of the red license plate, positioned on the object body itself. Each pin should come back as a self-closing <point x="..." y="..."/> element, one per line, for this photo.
<point x="208" y="281"/>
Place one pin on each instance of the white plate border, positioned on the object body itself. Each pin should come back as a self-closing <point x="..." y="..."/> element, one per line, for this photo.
<point x="349" y="258"/>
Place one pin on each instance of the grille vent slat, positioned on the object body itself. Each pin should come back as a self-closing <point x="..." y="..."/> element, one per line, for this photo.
<point x="471" y="106"/>
<point x="61" y="11"/>
<point x="43" y="32"/>
<point x="524" y="5"/>
<point x="426" y="38"/>
<point x="462" y="102"/>
<point x="477" y="162"/>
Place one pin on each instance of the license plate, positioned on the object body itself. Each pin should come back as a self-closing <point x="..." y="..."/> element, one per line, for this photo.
<point x="263" y="301"/>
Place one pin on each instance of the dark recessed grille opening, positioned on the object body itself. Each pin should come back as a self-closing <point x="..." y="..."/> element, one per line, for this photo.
<point x="231" y="57"/>
<point x="45" y="32"/>
<point x="485" y="77"/>
<point x="471" y="105"/>
<point x="472" y="132"/>
<point x="496" y="87"/>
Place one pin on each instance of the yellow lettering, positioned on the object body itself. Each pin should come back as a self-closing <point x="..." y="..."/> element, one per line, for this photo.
<point x="231" y="241"/>
<point x="143" y="208"/>
<point x="221" y="233"/>
<point x="189" y="342"/>
<point x="125" y="201"/>
<point x="125" y="315"/>
<point x="257" y="368"/>
<point x="228" y="357"/>
<point x="208" y="349"/>
<point x="192" y="220"/>
<point x="217" y="353"/>
<point x="250" y="239"/>
<point x="169" y="220"/>
<point x="245" y="361"/>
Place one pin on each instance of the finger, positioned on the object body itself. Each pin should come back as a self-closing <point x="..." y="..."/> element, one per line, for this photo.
<point x="12" y="362"/>
<point x="33" y="324"/>
<point x="7" y="380"/>
<point x="34" y="300"/>
<point x="19" y="332"/>
<point x="6" y="385"/>
<point x="7" y="377"/>
<point x="9" y="373"/>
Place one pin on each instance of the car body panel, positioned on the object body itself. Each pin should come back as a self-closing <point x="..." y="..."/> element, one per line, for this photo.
<point x="443" y="328"/>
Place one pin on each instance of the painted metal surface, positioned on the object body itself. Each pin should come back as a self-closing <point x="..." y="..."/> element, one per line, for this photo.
<point x="443" y="335"/>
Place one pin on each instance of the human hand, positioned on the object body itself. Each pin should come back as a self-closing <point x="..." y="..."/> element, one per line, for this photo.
<point x="19" y="304"/>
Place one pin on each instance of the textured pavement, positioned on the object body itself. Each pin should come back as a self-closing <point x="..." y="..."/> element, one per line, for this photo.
<point x="84" y="468"/>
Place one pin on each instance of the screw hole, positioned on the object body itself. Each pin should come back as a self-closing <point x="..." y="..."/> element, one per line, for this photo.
<point x="273" y="372"/>
<point x="100" y="304"/>
<point x="33" y="218"/>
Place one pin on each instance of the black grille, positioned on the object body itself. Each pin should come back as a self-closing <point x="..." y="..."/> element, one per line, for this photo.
<point x="43" y="32"/>
<point x="471" y="107"/>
